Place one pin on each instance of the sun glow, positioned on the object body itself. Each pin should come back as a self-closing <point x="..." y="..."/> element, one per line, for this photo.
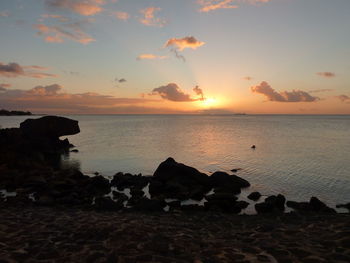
<point x="209" y="102"/>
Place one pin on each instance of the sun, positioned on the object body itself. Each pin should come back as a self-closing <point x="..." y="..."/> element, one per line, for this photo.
<point x="208" y="102"/>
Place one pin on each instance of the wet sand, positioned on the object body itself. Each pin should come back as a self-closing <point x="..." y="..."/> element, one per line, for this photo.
<point x="44" y="234"/>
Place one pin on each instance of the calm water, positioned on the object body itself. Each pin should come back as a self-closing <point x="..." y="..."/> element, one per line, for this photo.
<point x="298" y="156"/>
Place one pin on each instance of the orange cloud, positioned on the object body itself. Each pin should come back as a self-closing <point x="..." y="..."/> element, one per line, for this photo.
<point x="247" y="78"/>
<point x="183" y="43"/>
<point x="344" y="98"/>
<point x="13" y="70"/>
<point x="210" y="5"/>
<point x="286" y="96"/>
<point x="82" y="7"/>
<point x="52" y="98"/>
<point x="150" y="57"/>
<point x="121" y="15"/>
<point x="58" y="34"/>
<point x="149" y="18"/>
<point x="4" y="13"/>
<point x="326" y="74"/>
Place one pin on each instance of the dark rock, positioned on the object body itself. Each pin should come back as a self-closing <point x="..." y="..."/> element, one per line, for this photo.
<point x="241" y="204"/>
<point x="106" y="203"/>
<point x="122" y="181"/>
<point x="255" y="196"/>
<point x="313" y="206"/>
<point x="263" y="208"/>
<point x="99" y="185"/>
<point x="45" y="200"/>
<point x="49" y="126"/>
<point x="170" y="170"/>
<point x="221" y="196"/>
<point x="347" y="206"/>
<point x="149" y="205"/>
<point x="74" y="151"/>
<point x="222" y="179"/>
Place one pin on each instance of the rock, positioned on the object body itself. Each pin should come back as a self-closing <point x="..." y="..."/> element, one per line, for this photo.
<point x="45" y="200"/>
<point x="224" y="180"/>
<point x="271" y="204"/>
<point x="221" y="196"/>
<point x="255" y="196"/>
<point x="313" y="206"/>
<point x="149" y="205"/>
<point x="264" y="208"/>
<point x="106" y="203"/>
<point x="241" y="204"/>
<point x="49" y="126"/>
<point x="170" y="170"/>
<point x="99" y="185"/>
<point x="347" y="206"/>
<point x="176" y="180"/>
<point x="122" y="181"/>
<point x="74" y="151"/>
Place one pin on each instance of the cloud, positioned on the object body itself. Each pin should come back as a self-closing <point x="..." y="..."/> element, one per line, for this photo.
<point x="82" y="7"/>
<point x="53" y="98"/>
<point x="4" y="86"/>
<point x="5" y="13"/>
<point x="120" y="80"/>
<point x="320" y="90"/>
<point x="344" y="98"/>
<point x="183" y="43"/>
<point x="53" y="16"/>
<point x="286" y="96"/>
<point x="150" y="56"/>
<point x="149" y="18"/>
<point x="13" y="70"/>
<point x="326" y="74"/>
<point x="199" y="92"/>
<point x="173" y="92"/>
<point x="121" y="15"/>
<point x="58" y="33"/>
<point x="210" y="5"/>
<point x="247" y="78"/>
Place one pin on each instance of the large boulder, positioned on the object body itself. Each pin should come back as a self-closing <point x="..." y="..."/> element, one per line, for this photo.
<point x="313" y="206"/>
<point x="170" y="170"/>
<point x="176" y="180"/>
<point x="49" y="126"/>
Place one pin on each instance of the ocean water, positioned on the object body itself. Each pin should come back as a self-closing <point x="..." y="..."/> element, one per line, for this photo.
<point x="298" y="156"/>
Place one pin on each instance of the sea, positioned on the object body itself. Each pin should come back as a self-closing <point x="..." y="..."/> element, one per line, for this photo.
<point x="298" y="156"/>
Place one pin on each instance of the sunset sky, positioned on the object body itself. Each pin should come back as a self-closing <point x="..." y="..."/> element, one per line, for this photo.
<point x="175" y="56"/>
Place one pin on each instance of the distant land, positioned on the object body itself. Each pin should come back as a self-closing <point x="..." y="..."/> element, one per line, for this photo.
<point x="14" y="113"/>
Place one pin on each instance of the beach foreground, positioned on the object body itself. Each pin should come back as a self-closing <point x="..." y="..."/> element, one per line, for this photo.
<point x="40" y="234"/>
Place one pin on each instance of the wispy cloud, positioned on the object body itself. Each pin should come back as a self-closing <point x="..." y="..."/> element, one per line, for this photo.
<point x="59" y="33"/>
<point x="60" y="18"/>
<point x="343" y="98"/>
<point x="326" y="74"/>
<point x="286" y="96"/>
<point x="319" y="90"/>
<point x="121" y="15"/>
<point x="210" y="5"/>
<point x="247" y="78"/>
<point x="82" y="7"/>
<point x="150" y="57"/>
<point x="149" y="18"/>
<point x="173" y="92"/>
<point x="5" y="13"/>
<point x="13" y="70"/>
<point x="53" y="98"/>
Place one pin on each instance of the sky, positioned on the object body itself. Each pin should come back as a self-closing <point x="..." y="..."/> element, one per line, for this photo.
<point x="175" y="56"/>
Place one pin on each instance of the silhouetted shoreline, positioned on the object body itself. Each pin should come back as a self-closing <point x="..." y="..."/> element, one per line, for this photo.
<point x="14" y="113"/>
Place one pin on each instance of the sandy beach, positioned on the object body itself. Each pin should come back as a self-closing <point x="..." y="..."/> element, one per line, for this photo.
<point x="39" y="234"/>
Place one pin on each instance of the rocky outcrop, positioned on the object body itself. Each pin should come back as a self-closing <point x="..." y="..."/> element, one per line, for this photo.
<point x="313" y="206"/>
<point x="36" y="141"/>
